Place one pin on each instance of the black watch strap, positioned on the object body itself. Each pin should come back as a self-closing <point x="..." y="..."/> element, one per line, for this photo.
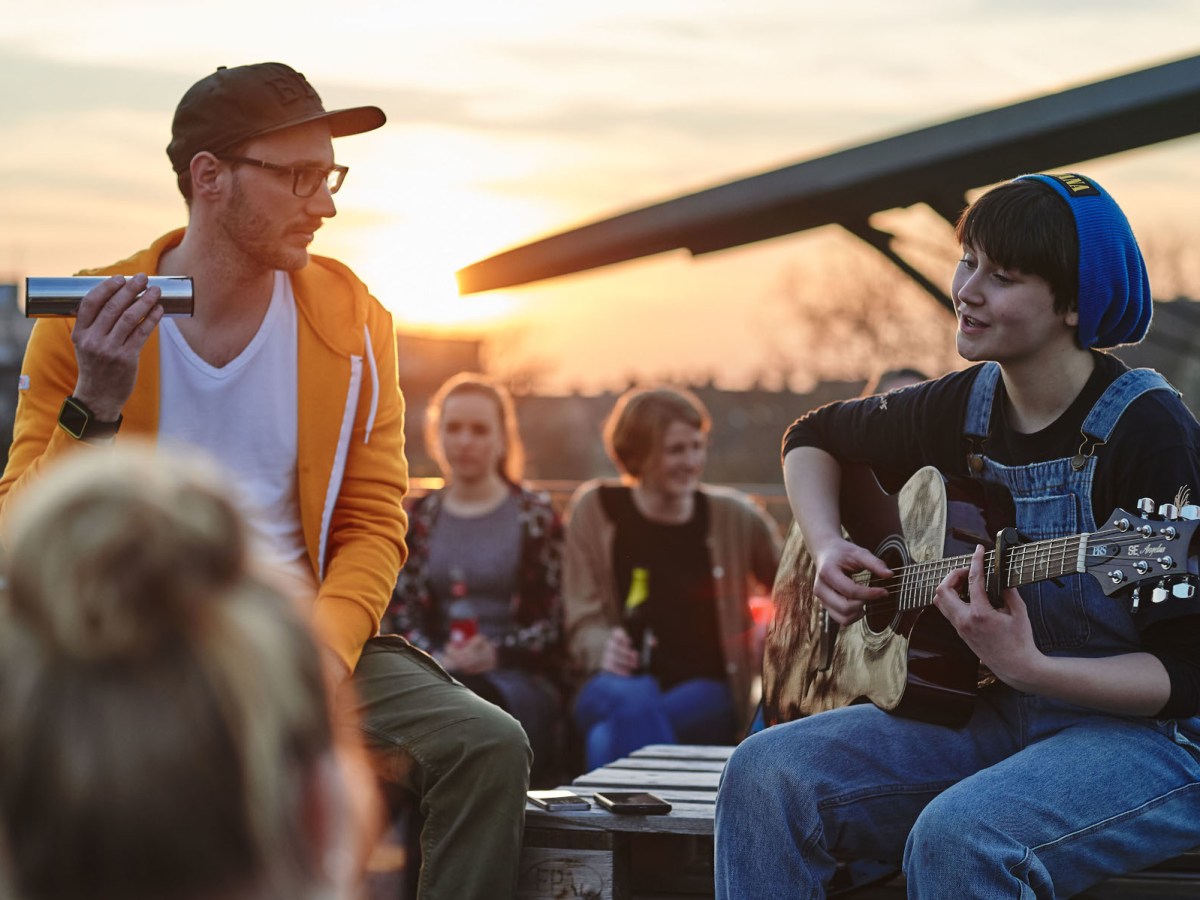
<point x="81" y="423"/>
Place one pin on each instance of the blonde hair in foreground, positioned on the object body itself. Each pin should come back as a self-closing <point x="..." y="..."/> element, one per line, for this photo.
<point x="164" y="719"/>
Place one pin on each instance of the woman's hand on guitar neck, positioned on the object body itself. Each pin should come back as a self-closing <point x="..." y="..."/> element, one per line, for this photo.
<point x="837" y="560"/>
<point x="1134" y="684"/>
<point x="1001" y="638"/>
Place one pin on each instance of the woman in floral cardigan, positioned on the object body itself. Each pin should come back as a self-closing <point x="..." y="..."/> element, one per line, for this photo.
<point x="480" y="590"/>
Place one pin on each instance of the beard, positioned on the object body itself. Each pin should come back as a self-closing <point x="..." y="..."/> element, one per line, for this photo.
<point x="257" y="236"/>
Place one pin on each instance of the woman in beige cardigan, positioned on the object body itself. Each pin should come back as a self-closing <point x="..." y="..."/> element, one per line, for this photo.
<point x="658" y="572"/>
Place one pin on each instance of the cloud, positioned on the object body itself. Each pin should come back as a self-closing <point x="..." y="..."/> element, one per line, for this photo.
<point x="35" y="86"/>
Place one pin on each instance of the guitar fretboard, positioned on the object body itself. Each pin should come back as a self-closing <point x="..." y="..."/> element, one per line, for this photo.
<point x="913" y="586"/>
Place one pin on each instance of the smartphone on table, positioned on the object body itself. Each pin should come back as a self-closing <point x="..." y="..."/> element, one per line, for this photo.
<point x="557" y="800"/>
<point x="633" y="802"/>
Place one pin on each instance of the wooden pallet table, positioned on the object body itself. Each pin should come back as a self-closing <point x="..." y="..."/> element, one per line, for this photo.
<point x="600" y="855"/>
<point x="597" y="855"/>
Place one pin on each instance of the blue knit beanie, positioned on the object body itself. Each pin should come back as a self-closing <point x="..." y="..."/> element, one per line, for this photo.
<point x="1114" y="291"/>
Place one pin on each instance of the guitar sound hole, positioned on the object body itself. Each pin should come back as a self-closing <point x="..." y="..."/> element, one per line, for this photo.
<point x="880" y="615"/>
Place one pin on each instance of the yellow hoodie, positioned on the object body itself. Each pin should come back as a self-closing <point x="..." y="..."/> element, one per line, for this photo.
<point x="351" y="475"/>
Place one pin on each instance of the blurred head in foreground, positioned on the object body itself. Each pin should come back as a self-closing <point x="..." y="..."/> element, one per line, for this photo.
<point x="165" y="726"/>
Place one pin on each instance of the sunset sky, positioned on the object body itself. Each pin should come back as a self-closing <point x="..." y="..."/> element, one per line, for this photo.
<point x="510" y="119"/>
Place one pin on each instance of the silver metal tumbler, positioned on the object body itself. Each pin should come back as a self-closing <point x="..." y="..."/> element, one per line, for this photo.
<point x="60" y="296"/>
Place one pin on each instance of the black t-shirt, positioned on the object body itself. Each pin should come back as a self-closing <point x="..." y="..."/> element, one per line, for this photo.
<point x="681" y="606"/>
<point x="1154" y="451"/>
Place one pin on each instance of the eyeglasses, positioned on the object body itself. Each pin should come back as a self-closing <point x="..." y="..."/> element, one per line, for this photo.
<point x="305" y="179"/>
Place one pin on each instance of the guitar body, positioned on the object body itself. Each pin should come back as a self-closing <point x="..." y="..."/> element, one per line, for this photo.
<point x="909" y="662"/>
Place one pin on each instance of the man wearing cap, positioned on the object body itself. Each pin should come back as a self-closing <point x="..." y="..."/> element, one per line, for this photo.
<point x="1082" y="760"/>
<point x="287" y="375"/>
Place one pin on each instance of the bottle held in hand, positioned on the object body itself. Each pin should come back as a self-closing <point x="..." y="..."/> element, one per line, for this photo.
<point x="463" y="629"/>
<point x="636" y="618"/>
<point x="463" y="625"/>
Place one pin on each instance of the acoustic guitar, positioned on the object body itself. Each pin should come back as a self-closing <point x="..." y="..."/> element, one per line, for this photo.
<point x="903" y="655"/>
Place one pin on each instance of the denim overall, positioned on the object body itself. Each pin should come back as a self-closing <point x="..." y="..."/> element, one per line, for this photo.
<point x="1054" y="499"/>
<point x="1032" y="798"/>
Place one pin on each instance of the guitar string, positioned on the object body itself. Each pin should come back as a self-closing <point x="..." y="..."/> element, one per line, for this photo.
<point x="916" y="590"/>
<point x="1018" y="552"/>
<point x="918" y="582"/>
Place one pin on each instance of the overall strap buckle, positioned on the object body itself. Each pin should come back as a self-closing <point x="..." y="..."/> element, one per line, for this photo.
<point x="1086" y="451"/>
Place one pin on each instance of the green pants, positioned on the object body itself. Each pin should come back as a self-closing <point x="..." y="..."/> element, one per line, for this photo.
<point x="471" y="768"/>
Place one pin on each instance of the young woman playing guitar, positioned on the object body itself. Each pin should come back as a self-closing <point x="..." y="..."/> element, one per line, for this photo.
<point x="1081" y="760"/>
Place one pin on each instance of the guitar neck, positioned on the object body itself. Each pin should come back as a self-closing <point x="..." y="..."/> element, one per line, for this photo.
<point x="1025" y="564"/>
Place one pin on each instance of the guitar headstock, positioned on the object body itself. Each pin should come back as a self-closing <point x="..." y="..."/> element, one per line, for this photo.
<point x="1151" y="553"/>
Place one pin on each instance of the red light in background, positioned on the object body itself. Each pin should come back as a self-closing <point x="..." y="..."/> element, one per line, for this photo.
<point x="762" y="608"/>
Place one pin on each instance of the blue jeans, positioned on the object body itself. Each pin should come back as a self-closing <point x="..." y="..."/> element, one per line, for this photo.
<point x="1031" y="799"/>
<point x="618" y="714"/>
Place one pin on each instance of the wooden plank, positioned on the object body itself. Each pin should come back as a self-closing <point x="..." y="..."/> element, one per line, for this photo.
<point x="556" y="864"/>
<point x="671" y="795"/>
<point x="684" y="818"/>
<point x="684" y="751"/>
<point x="598" y="816"/>
<point x="547" y="874"/>
<point x="629" y="779"/>
<point x="668" y="765"/>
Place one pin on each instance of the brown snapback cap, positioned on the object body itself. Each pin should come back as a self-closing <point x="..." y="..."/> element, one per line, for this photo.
<point x="235" y="104"/>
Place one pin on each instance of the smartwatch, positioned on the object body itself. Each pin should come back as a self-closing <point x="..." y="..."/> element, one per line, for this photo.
<point x="81" y="423"/>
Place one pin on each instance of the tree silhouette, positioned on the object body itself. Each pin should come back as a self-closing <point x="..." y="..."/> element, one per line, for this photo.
<point x="848" y="312"/>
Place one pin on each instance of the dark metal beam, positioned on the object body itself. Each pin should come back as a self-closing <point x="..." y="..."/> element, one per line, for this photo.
<point x="882" y="241"/>
<point x="936" y="165"/>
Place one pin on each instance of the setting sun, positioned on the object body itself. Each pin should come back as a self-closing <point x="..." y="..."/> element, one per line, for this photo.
<point x="420" y="220"/>
<point x="426" y="298"/>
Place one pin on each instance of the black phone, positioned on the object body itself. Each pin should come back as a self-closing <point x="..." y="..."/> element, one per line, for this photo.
<point x="557" y="801"/>
<point x="635" y="802"/>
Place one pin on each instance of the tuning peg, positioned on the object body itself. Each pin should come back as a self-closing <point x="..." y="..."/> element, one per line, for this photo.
<point x="1183" y="590"/>
<point x="1169" y="511"/>
<point x="1159" y="594"/>
<point x="1191" y="512"/>
<point x="1145" y="506"/>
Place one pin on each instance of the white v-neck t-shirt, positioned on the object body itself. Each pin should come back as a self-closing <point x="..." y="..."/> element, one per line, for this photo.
<point x="244" y="415"/>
